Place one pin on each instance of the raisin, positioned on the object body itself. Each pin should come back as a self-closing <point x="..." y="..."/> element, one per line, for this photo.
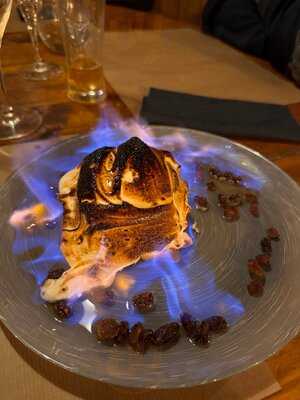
<point x="264" y="261"/>
<point x="255" y="289"/>
<point x="273" y="234"/>
<point x="107" y="331"/>
<point x="256" y="272"/>
<point x="167" y="335"/>
<point x="211" y="186"/>
<point x="136" y="337"/>
<point x="217" y="324"/>
<point x="55" y="273"/>
<point x="140" y="338"/>
<point x="201" y="203"/>
<point x="266" y="246"/>
<point x="187" y="323"/>
<point x="231" y="214"/>
<point x="62" y="310"/>
<point x="123" y="333"/>
<point x="144" y="302"/>
<point x="201" y="332"/>
<point x="149" y="337"/>
<point x="254" y="210"/>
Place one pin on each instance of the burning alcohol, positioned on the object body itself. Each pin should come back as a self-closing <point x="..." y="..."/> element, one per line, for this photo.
<point x="173" y="277"/>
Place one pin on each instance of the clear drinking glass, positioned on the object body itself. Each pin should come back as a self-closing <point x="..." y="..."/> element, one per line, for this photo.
<point x="15" y="122"/>
<point x="49" y="26"/>
<point x="39" y="70"/>
<point x="83" y="27"/>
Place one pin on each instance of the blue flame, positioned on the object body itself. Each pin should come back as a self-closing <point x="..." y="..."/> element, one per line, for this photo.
<point x="173" y="276"/>
<point x="175" y="279"/>
<point x="41" y="189"/>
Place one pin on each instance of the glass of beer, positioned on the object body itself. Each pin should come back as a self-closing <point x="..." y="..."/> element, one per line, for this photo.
<point x="82" y="24"/>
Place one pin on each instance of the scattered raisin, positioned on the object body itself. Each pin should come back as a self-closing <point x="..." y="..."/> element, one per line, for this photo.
<point x="107" y="330"/>
<point x="112" y="332"/>
<point x="62" y="310"/>
<point x="217" y="324"/>
<point x="201" y="333"/>
<point x="201" y="203"/>
<point x="139" y="338"/>
<point x="255" y="289"/>
<point x="144" y="302"/>
<point x="273" y="234"/>
<point x="123" y="333"/>
<point x="55" y="273"/>
<point x="211" y="186"/>
<point x="264" y="261"/>
<point x="149" y="337"/>
<point x="256" y="272"/>
<point x="167" y="335"/>
<point x="136" y="337"/>
<point x="231" y="214"/>
<point x="266" y="246"/>
<point x="187" y="323"/>
<point x="254" y="210"/>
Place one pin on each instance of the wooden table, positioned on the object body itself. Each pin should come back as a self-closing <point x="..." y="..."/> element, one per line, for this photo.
<point x="66" y="118"/>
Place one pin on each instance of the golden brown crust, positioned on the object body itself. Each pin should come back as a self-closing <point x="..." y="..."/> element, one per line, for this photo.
<point x="121" y="205"/>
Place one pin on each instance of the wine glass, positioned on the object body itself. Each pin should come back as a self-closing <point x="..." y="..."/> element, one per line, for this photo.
<point x="39" y="70"/>
<point x="15" y="122"/>
<point x="49" y="27"/>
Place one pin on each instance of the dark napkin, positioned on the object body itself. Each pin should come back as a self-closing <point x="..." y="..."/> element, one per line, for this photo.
<point x="224" y="117"/>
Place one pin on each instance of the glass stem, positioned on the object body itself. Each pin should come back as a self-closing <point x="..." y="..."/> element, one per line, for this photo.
<point x="33" y="32"/>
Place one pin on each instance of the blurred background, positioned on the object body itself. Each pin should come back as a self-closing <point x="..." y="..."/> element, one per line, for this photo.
<point x="179" y="9"/>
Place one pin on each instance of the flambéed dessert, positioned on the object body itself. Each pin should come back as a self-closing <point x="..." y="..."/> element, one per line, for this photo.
<point x="121" y="205"/>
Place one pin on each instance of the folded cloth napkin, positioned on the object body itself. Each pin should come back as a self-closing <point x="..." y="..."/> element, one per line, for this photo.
<point x="223" y="117"/>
